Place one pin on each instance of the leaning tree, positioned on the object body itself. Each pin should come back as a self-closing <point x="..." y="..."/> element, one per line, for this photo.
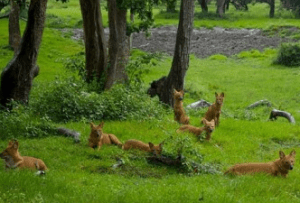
<point x="175" y="80"/>
<point x="17" y="77"/>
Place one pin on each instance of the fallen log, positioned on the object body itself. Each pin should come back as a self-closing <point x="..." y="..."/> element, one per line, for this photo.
<point x="275" y="113"/>
<point x="260" y="103"/>
<point x="69" y="133"/>
<point x="199" y="104"/>
<point x="169" y="161"/>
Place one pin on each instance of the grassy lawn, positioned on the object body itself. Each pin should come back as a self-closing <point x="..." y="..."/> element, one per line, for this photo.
<point x="80" y="174"/>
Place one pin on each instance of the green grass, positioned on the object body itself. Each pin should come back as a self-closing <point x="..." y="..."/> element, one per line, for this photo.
<point x="80" y="174"/>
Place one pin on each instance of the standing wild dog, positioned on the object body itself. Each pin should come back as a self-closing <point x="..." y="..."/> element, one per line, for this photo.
<point x="280" y="166"/>
<point x="208" y="127"/>
<point x="136" y="144"/>
<point x="214" y="110"/>
<point x="13" y="159"/>
<point x="98" y="138"/>
<point x="179" y="113"/>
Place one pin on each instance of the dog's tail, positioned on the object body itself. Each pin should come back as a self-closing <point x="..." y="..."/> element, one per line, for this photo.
<point x="69" y="133"/>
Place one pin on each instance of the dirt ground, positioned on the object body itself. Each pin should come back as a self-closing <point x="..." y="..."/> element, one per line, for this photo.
<point x="204" y="42"/>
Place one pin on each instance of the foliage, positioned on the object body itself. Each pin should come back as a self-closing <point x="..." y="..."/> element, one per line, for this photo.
<point x="71" y="100"/>
<point x="192" y="160"/>
<point x="20" y="122"/>
<point x="3" y="3"/>
<point x="293" y="5"/>
<point x="289" y="54"/>
<point x="144" y="11"/>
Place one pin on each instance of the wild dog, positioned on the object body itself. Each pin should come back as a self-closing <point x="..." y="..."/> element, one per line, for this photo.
<point x="179" y="113"/>
<point x="208" y="128"/>
<point x="13" y="159"/>
<point x="214" y="110"/>
<point x="280" y="166"/>
<point x="98" y="138"/>
<point x="136" y="144"/>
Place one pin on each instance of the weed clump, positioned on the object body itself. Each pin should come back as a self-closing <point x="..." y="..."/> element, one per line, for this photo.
<point x="289" y="54"/>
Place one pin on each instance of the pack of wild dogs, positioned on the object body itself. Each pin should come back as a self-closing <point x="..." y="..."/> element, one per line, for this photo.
<point x="210" y="121"/>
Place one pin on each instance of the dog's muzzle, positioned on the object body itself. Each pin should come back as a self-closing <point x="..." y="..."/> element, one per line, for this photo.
<point x="291" y="167"/>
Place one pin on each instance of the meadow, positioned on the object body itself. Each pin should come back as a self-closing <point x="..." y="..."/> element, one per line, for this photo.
<point x="77" y="173"/>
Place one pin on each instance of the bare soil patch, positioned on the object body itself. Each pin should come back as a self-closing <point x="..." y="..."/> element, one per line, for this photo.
<point x="204" y="42"/>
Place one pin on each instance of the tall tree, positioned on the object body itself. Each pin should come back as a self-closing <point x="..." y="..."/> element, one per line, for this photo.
<point x="95" y="44"/>
<point x="180" y="64"/>
<point x="113" y="43"/>
<point x="17" y="77"/>
<point x="14" y="26"/>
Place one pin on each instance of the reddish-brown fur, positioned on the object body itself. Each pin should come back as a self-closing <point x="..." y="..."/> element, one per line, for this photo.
<point x="13" y="159"/>
<point x="136" y="144"/>
<point x="280" y="166"/>
<point x="208" y="127"/>
<point x="214" y="110"/>
<point x="98" y="138"/>
<point x="179" y="113"/>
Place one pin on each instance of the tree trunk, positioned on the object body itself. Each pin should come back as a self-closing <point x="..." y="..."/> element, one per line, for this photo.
<point x="220" y="8"/>
<point x="14" y="26"/>
<point x="16" y="78"/>
<point x="113" y="43"/>
<point x="203" y="5"/>
<point x="171" y="6"/>
<point x="95" y="45"/>
<point x="180" y="63"/>
<point x="123" y="41"/>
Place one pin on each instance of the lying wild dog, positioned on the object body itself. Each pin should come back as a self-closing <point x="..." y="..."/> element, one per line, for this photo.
<point x="280" y="166"/>
<point x="208" y="127"/>
<point x="98" y="138"/>
<point x="13" y="159"/>
<point x="179" y="113"/>
<point x="214" y="110"/>
<point x="136" y="144"/>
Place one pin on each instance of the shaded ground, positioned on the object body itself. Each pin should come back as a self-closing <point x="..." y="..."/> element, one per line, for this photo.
<point x="204" y="42"/>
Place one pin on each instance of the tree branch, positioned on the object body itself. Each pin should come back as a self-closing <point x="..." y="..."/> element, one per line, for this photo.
<point x="275" y="113"/>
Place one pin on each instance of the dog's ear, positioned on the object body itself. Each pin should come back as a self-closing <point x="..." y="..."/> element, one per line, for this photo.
<point x="293" y="153"/>
<point x="222" y="94"/>
<point x="281" y="154"/>
<point x="213" y="120"/>
<point x="181" y="91"/>
<point x="175" y="91"/>
<point x="92" y="125"/>
<point x="151" y="145"/>
<point x="216" y="94"/>
<point x="101" y="124"/>
<point x="11" y="143"/>
<point x="204" y="121"/>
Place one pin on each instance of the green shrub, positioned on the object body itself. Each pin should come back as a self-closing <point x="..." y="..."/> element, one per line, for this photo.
<point x="289" y="54"/>
<point x="71" y="100"/>
<point x="20" y="122"/>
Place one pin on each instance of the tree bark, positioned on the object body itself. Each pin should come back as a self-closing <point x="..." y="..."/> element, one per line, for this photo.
<point x="95" y="44"/>
<point x="180" y="62"/>
<point x="17" y="77"/>
<point x="220" y="7"/>
<point x="203" y="5"/>
<point x="14" y="26"/>
<point x="113" y="44"/>
<point x="123" y="41"/>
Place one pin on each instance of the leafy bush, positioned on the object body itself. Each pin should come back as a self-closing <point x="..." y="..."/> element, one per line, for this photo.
<point x="289" y="54"/>
<point x="71" y="100"/>
<point x="19" y="122"/>
<point x="192" y="160"/>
